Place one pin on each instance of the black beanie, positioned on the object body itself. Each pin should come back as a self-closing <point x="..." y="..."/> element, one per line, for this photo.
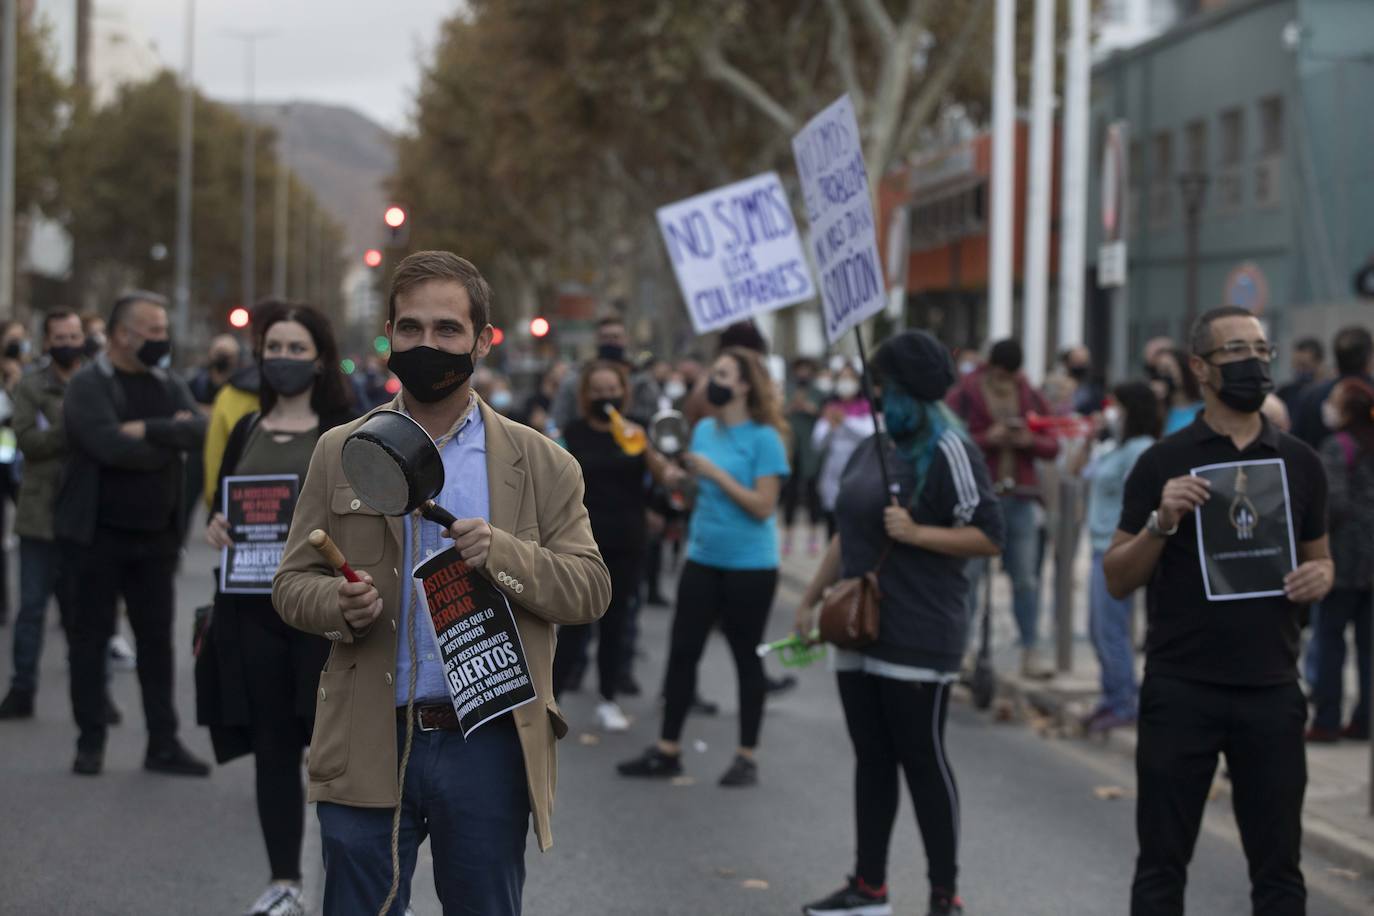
<point x="917" y="363"/>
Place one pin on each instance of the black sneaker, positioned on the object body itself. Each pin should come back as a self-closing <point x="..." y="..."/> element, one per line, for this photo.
<point x="743" y="772"/>
<point x="854" y="899"/>
<point x="653" y="763"/>
<point x="627" y="686"/>
<point x="18" y="704"/>
<point x="704" y="707"/>
<point x="943" y="903"/>
<point x="176" y="760"/>
<point x="112" y="714"/>
<point x="774" y="686"/>
<point x="88" y="762"/>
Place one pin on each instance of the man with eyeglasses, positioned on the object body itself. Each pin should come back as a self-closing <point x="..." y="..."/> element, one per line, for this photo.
<point x="1221" y="666"/>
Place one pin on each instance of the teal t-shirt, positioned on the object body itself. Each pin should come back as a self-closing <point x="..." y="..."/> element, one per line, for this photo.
<point x="721" y="533"/>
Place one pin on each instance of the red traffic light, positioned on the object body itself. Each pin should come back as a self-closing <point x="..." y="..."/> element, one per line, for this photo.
<point x="239" y="317"/>
<point x="372" y="257"/>
<point x="497" y="336"/>
<point x="394" y="217"/>
<point x="539" y="327"/>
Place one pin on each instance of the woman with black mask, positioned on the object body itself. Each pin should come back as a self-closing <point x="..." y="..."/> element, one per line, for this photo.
<point x="617" y="497"/>
<point x="255" y="676"/>
<point x="895" y="691"/>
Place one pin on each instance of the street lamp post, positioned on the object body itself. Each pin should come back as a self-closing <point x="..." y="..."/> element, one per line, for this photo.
<point x="1193" y="186"/>
<point x="249" y="244"/>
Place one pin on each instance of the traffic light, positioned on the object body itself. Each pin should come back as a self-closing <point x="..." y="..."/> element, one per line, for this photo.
<point x="397" y="224"/>
<point x="539" y="327"/>
<point x="372" y="257"/>
<point x="239" y="318"/>
<point x="497" y="336"/>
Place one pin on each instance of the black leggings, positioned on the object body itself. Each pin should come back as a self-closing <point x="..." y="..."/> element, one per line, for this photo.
<point x="896" y="724"/>
<point x="797" y="493"/>
<point x="612" y="634"/>
<point x="276" y="734"/>
<point x="740" y="600"/>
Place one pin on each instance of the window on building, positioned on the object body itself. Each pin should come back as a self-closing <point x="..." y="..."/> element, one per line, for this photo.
<point x="1197" y="146"/>
<point x="1232" y="137"/>
<point x="1271" y="126"/>
<point x="1163" y="156"/>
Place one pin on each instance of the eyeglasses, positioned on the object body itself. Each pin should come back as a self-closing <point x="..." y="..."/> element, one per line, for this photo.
<point x="1241" y="349"/>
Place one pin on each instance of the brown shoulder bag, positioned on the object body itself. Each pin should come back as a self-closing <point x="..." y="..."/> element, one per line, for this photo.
<point x="849" y="609"/>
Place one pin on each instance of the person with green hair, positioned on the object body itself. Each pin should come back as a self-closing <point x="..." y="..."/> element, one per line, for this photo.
<point x="915" y="516"/>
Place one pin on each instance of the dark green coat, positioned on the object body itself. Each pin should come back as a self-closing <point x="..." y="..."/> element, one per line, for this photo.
<point x="39" y="428"/>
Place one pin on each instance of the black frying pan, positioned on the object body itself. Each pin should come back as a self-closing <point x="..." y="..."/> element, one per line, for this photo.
<point x="394" y="466"/>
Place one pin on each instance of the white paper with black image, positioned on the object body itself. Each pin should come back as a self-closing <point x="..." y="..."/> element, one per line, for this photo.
<point x="473" y="625"/>
<point x="1245" y="540"/>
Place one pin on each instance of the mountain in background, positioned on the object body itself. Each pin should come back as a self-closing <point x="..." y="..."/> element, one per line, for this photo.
<point x="343" y="157"/>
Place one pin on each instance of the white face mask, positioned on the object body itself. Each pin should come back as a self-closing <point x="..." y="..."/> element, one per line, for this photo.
<point x="674" y="390"/>
<point x="1331" y="416"/>
<point x="847" y="387"/>
<point x="824" y="385"/>
<point x="1112" y="417"/>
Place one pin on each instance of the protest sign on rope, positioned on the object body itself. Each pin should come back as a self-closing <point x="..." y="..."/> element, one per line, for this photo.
<point x="736" y="252"/>
<point x="258" y="508"/>
<point x="839" y="208"/>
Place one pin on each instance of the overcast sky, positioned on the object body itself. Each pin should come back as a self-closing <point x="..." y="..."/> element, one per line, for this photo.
<point x="364" y="53"/>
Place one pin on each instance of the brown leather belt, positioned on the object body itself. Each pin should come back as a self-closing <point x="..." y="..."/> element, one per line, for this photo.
<point x="430" y="718"/>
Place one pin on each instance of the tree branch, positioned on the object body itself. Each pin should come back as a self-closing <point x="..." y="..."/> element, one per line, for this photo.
<point x="937" y="81"/>
<point x="879" y="22"/>
<point x="738" y="82"/>
<point x="842" y="55"/>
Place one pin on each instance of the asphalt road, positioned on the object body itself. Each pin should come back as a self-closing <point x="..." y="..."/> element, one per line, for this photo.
<point x="1036" y="839"/>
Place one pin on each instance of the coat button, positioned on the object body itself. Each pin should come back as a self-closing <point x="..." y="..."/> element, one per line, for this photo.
<point x="393" y="624"/>
<point x="519" y="589"/>
<point x="355" y="505"/>
<point x="388" y="677"/>
<point x="323" y="696"/>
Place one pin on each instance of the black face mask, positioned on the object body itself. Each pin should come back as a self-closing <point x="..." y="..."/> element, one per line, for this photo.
<point x="93" y="345"/>
<point x="1245" y="384"/>
<point x="153" y="352"/>
<point x="222" y="364"/>
<point x="611" y="352"/>
<point x="430" y="375"/>
<point x="1078" y="373"/>
<point x="14" y="349"/>
<point x="718" y="394"/>
<point x="600" y="404"/>
<point x="289" y="377"/>
<point x="66" y="357"/>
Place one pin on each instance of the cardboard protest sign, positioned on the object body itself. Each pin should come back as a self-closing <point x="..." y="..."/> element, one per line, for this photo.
<point x="736" y="252"/>
<point x="839" y="207"/>
<point x="1245" y="537"/>
<point x="484" y="660"/>
<point x="258" y="509"/>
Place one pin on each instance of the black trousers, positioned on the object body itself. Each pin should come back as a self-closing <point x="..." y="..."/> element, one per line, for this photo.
<point x="612" y="630"/>
<point x="900" y="725"/>
<point x="277" y="735"/>
<point x="1183" y="726"/>
<point x="740" y="601"/>
<point x="140" y="567"/>
<point x="796" y="493"/>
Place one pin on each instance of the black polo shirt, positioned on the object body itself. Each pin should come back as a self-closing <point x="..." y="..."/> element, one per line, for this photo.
<point x="1246" y="642"/>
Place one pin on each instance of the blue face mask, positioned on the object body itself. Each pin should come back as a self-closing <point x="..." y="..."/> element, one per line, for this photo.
<point x="903" y="415"/>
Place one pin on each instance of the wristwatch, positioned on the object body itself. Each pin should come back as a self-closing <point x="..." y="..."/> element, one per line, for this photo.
<point x="1152" y="526"/>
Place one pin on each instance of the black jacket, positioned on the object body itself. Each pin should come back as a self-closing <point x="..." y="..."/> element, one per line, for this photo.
<point x="93" y="410"/>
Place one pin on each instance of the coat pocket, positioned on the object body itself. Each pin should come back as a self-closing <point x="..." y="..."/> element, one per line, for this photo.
<point x="358" y="529"/>
<point x="333" y="724"/>
<point x="556" y="720"/>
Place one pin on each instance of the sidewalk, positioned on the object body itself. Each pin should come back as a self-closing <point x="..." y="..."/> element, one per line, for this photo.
<point x="1336" y="818"/>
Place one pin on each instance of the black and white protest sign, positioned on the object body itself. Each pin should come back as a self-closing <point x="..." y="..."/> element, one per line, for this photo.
<point x="484" y="660"/>
<point x="258" y="509"/>
<point x="839" y="208"/>
<point x="1245" y="530"/>
<point x="736" y="252"/>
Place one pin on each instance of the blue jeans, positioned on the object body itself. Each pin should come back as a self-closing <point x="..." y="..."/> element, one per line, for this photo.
<point x="1311" y="656"/>
<point x="40" y="565"/>
<point x="1341" y="608"/>
<point x="472" y="801"/>
<point x="1109" y="625"/>
<point x="1021" y="557"/>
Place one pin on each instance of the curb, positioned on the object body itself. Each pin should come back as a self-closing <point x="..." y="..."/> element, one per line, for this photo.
<point x="1319" y="836"/>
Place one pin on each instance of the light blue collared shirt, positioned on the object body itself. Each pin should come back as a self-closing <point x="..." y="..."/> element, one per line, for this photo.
<point x="464" y="494"/>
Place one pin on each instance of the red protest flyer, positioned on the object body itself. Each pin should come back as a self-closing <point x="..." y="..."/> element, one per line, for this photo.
<point x="484" y="660"/>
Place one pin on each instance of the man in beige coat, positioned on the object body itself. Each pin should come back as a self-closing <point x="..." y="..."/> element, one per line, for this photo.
<point x="518" y="498"/>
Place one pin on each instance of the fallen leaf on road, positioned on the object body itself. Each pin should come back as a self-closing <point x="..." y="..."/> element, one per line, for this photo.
<point x="587" y="739"/>
<point x="1345" y="873"/>
<point x="683" y="781"/>
<point x="726" y="872"/>
<point x="1107" y="793"/>
<point x="754" y="884"/>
